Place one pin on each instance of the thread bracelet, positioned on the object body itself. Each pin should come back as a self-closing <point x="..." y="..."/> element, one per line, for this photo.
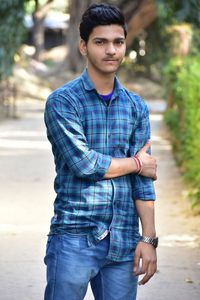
<point x="138" y="164"/>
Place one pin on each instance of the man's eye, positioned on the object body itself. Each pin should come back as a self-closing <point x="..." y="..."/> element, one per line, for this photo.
<point x="119" y="42"/>
<point x="99" y="42"/>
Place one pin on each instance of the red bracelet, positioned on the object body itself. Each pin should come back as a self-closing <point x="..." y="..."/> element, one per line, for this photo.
<point x="138" y="163"/>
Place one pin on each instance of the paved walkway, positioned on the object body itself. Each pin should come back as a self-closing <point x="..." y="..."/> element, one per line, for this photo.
<point x="26" y="195"/>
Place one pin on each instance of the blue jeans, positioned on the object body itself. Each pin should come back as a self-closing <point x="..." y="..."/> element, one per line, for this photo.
<point x="72" y="264"/>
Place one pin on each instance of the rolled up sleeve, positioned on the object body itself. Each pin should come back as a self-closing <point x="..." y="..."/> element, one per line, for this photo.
<point x="66" y="134"/>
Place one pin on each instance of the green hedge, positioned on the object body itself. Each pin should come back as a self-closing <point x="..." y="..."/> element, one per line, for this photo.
<point x="11" y="34"/>
<point x="183" y="117"/>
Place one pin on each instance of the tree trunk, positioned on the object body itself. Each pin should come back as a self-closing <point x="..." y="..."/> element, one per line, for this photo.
<point x="39" y="16"/>
<point x="38" y="37"/>
<point x="74" y="60"/>
<point x="129" y="7"/>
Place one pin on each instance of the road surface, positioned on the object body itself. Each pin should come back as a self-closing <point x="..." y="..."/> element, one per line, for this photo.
<point x="26" y="196"/>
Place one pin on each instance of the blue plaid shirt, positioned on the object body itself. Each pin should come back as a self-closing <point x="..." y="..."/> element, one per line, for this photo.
<point x="85" y="133"/>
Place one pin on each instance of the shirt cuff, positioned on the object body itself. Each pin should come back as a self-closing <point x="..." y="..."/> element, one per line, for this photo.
<point x="104" y="162"/>
<point x="144" y="189"/>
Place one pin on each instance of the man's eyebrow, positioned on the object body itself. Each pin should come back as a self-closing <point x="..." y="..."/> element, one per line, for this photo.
<point x="105" y="39"/>
<point x="119" y="39"/>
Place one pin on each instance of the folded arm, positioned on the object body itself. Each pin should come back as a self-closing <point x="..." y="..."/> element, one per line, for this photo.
<point x="65" y="132"/>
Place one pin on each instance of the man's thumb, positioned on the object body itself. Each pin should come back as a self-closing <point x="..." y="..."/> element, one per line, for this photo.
<point x="146" y="146"/>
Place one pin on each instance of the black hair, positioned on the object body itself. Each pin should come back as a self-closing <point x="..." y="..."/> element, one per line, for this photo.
<point x="100" y="14"/>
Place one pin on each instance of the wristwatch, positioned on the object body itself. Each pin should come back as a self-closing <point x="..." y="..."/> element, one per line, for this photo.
<point x="150" y="240"/>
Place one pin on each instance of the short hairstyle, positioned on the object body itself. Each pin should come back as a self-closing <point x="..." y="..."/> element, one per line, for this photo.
<point x="100" y="14"/>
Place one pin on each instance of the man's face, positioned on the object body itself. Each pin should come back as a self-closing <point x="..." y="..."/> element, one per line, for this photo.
<point x="105" y="48"/>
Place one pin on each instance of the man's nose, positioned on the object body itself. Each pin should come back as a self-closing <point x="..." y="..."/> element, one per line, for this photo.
<point x="110" y="49"/>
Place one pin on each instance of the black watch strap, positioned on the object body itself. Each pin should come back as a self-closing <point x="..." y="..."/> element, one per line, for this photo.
<point x="150" y="240"/>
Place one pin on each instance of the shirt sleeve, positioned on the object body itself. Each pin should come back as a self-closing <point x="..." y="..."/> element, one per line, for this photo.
<point x="66" y="134"/>
<point x="143" y="187"/>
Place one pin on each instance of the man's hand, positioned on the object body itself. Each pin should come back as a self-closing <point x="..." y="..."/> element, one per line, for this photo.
<point x="123" y="166"/>
<point x="146" y="253"/>
<point x="149" y="165"/>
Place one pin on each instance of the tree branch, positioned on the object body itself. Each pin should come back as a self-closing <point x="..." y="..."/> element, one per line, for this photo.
<point x="144" y="16"/>
<point x="41" y="11"/>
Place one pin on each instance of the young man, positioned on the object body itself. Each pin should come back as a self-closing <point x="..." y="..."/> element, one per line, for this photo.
<point x="96" y="128"/>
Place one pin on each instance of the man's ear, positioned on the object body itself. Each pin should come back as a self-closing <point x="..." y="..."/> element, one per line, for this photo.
<point x="83" y="47"/>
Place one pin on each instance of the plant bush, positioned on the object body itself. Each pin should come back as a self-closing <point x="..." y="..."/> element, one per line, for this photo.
<point x="11" y="34"/>
<point x="183" y="118"/>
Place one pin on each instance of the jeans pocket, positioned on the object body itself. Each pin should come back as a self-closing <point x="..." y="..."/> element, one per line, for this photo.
<point x="75" y="241"/>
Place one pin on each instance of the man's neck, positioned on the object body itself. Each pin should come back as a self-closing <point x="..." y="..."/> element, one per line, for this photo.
<point x="104" y="83"/>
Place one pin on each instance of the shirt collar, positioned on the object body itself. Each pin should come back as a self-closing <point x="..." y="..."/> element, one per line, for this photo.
<point x="89" y="85"/>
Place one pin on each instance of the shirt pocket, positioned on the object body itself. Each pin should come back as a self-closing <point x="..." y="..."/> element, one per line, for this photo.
<point x="120" y="134"/>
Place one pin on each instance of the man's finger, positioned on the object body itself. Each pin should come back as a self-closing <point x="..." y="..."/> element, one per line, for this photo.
<point x="136" y="265"/>
<point x="155" y="178"/>
<point x="145" y="279"/>
<point x="143" y="268"/>
<point x="150" y="272"/>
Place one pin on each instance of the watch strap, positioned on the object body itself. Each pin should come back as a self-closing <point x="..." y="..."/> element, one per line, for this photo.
<point x="150" y="240"/>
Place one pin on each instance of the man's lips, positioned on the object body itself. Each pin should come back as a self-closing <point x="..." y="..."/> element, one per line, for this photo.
<point x="110" y="59"/>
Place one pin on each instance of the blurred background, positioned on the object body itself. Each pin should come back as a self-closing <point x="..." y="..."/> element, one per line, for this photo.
<point x="38" y="53"/>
